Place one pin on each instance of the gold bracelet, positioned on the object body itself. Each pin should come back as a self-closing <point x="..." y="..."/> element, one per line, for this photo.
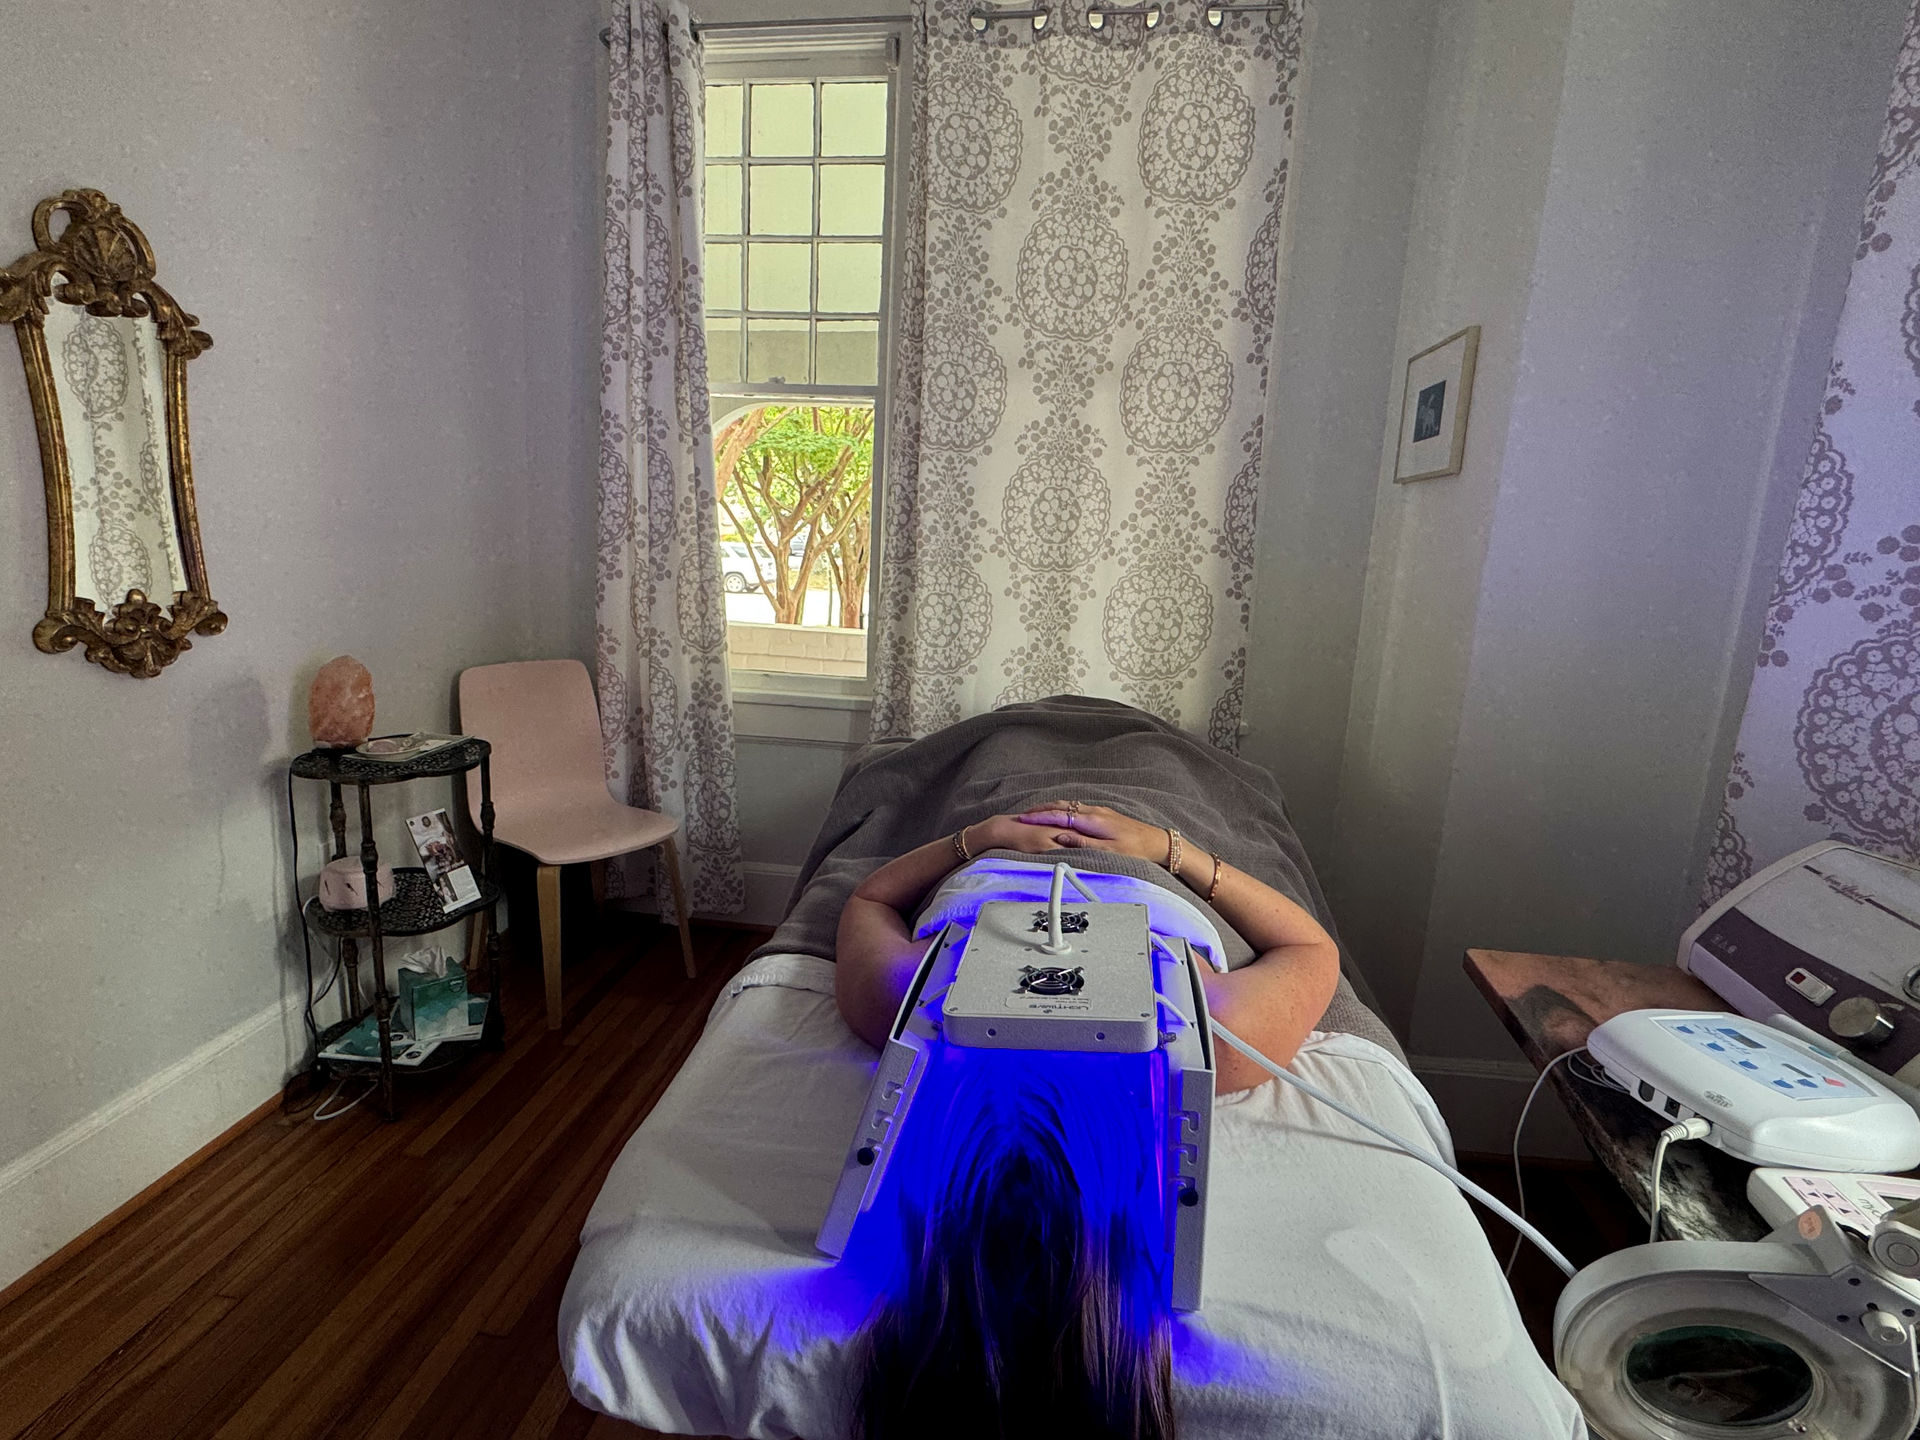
<point x="960" y="844"/>
<point x="1173" y="851"/>
<point x="1214" y="884"/>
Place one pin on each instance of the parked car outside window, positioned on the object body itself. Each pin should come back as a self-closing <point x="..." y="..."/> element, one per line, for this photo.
<point x="742" y="566"/>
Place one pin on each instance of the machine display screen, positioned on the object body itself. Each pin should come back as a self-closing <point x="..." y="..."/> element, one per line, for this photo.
<point x="1765" y="1062"/>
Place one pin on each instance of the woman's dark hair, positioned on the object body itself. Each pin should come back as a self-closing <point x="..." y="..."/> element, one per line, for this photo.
<point x="1029" y="1295"/>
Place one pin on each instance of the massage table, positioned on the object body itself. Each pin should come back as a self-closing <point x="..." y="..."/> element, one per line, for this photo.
<point x="1349" y="1290"/>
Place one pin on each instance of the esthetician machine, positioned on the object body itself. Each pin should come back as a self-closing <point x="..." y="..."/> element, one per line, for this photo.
<point x="1825" y="944"/>
<point x="1811" y="1332"/>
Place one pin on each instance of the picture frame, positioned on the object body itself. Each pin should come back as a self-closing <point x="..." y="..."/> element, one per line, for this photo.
<point x="1434" y="408"/>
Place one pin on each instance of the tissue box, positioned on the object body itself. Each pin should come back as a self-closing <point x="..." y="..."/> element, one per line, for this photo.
<point x="343" y="884"/>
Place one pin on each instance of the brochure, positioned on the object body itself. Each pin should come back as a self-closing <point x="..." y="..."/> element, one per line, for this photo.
<point x="361" y="1045"/>
<point x="433" y="838"/>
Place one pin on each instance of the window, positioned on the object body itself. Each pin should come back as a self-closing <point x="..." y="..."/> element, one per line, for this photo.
<point x="798" y="189"/>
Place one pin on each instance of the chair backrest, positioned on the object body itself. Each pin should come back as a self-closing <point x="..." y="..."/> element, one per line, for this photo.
<point x="540" y="717"/>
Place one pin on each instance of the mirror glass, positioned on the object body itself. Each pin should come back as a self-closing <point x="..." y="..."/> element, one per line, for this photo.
<point x="109" y="375"/>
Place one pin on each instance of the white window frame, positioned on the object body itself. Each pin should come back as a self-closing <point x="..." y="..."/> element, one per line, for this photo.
<point x="777" y="52"/>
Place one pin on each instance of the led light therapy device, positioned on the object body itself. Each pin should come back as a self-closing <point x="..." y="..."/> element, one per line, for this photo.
<point x="1087" y="977"/>
<point x="1090" y="978"/>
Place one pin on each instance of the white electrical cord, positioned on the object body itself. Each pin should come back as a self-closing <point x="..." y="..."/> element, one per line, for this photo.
<point x="1519" y="1180"/>
<point x="1694" y="1129"/>
<point x="1545" y="1246"/>
<point x="320" y="1111"/>
<point x="1055" y="944"/>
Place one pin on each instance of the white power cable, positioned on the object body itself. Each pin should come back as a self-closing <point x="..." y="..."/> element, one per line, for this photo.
<point x="1694" y="1129"/>
<point x="1545" y="1246"/>
<point x="320" y="1111"/>
<point x="1519" y="1180"/>
<point x="1055" y="944"/>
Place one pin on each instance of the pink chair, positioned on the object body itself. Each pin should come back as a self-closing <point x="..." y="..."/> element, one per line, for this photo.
<point x="550" y="794"/>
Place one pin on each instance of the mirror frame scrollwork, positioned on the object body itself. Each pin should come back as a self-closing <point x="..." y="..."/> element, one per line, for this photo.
<point x="102" y="262"/>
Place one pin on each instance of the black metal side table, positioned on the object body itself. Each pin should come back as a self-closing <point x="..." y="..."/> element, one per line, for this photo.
<point x="414" y="909"/>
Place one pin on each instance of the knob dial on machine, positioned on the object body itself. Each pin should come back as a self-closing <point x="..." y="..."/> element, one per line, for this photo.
<point x="1862" y="1020"/>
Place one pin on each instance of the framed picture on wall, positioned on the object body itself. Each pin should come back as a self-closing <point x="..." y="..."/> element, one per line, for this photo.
<point x="1433" y="412"/>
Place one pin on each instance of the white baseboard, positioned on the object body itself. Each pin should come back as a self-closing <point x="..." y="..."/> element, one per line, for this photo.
<point x="1481" y="1100"/>
<point x="60" y="1187"/>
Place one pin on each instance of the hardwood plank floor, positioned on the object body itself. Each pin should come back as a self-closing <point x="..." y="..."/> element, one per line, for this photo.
<point x="363" y="1281"/>
<point x="359" y="1280"/>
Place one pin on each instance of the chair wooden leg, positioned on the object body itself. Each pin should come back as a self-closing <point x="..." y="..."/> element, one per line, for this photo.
<point x="672" y="853"/>
<point x="548" y="883"/>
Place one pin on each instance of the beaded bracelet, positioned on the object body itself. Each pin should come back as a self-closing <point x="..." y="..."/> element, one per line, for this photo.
<point x="1214" y="884"/>
<point x="960" y="844"/>
<point x="1173" y="851"/>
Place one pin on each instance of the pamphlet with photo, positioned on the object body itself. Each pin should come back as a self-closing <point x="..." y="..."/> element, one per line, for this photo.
<point x="446" y="868"/>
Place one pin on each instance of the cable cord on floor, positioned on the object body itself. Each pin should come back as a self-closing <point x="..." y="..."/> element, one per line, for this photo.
<point x="1694" y="1129"/>
<point x="320" y="1111"/>
<point x="1545" y="1246"/>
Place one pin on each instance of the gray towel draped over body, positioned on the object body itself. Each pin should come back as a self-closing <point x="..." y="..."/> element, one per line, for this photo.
<point x="897" y="795"/>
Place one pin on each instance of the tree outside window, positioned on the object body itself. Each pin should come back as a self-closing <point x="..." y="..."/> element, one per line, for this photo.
<point x="795" y="486"/>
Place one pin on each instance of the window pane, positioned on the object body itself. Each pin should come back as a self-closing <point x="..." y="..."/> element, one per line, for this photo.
<point x="777" y="275"/>
<point x="849" y="278"/>
<point x="723" y="351"/>
<point x="723" y="200"/>
<point x="847" y="352"/>
<point x="852" y="199"/>
<point x="812" y="624"/>
<point x="723" y="277"/>
<point x="853" y="119"/>
<point x="777" y="350"/>
<point x="723" y="119"/>
<point x="782" y="120"/>
<point x="780" y="200"/>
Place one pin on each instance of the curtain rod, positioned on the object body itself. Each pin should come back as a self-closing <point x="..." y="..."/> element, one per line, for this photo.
<point x="1215" y="13"/>
<point x="699" y="27"/>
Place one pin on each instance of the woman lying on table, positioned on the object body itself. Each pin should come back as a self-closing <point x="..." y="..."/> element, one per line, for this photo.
<point x="1030" y="1302"/>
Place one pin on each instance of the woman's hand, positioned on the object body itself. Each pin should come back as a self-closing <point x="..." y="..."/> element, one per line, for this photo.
<point x="1012" y="832"/>
<point x="1095" y="827"/>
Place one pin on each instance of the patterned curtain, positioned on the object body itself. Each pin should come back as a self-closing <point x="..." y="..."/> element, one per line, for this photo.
<point x="665" y="708"/>
<point x="1830" y="746"/>
<point x="1086" y="306"/>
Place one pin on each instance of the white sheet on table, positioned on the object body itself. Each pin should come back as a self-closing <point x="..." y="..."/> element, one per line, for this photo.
<point x="1349" y="1290"/>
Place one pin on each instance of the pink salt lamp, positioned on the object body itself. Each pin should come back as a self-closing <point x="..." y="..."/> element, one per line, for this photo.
<point x="340" y="704"/>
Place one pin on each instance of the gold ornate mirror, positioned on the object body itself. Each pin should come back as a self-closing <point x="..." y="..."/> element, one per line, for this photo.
<point x="106" y="351"/>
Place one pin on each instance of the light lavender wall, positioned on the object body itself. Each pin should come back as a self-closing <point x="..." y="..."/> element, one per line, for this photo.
<point x="1357" y="153"/>
<point x="1487" y="139"/>
<point x="384" y="215"/>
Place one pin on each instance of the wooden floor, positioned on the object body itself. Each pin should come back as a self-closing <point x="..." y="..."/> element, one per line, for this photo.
<point x="362" y="1280"/>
